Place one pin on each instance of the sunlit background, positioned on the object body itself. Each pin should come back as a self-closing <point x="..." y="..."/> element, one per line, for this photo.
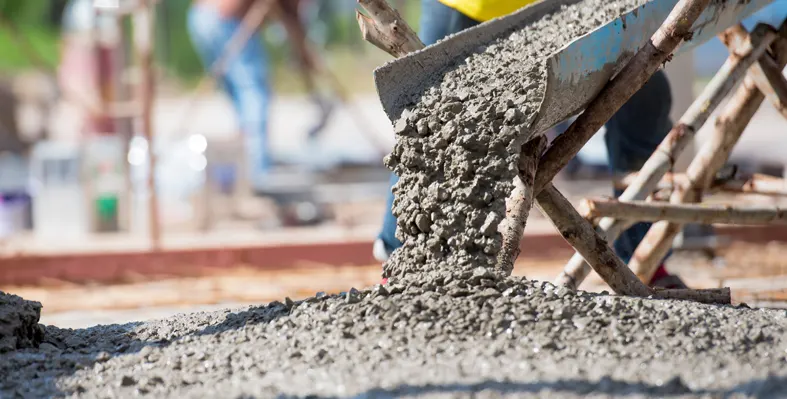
<point x="76" y="231"/>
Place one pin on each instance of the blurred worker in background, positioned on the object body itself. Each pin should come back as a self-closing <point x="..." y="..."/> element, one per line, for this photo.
<point x="211" y="25"/>
<point x="633" y="133"/>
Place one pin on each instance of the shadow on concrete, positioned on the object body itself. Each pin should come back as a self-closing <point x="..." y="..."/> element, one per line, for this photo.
<point x="254" y="315"/>
<point x="770" y="387"/>
<point x="36" y="372"/>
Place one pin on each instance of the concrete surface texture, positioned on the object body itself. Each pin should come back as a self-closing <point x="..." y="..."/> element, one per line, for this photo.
<point x="479" y="336"/>
<point x="19" y="327"/>
<point x="457" y="327"/>
<point x="458" y="146"/>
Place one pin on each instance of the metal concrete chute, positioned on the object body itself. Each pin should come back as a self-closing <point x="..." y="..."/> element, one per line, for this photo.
<point x="575" y="74"/>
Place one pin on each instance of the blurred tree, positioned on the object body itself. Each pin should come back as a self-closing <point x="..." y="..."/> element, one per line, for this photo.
<point x="174" y="49"/>
<point x="56" y="9"/>
<point x="25" y="29"/>
<point x="27" y="12"/>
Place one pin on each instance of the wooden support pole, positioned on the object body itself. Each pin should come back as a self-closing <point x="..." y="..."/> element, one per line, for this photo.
<point x="642" y="211"/>
<point x="767" y="74"/>
<point x="720" y="296"/>
<point x="143" y="41"/>
<point x="758" y="184"/>
<point x="585" y="240"/>
<point x="772" y="83"/>
<point x="675" y="29"/>
<point x="663" y="158"/>
<point x="386" y="29"/>
<point x="520" y="203"/>
<point x="728" y="129"/>
<point x="577" y="269"/>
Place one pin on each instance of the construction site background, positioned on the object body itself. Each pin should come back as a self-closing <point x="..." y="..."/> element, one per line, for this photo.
<point x="75" y="225"/>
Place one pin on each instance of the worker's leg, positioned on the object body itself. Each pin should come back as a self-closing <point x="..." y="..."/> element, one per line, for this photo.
<point x="437" y="22"/>
<point x="632" y="135"/>
<point x="204" y="26"/>
<point x="248" y="78"/>
<point x="244" y="80"/>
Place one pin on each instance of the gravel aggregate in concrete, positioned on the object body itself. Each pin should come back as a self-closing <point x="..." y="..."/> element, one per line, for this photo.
<point x="449" y="324"/>
<point x="458" y="145"/>
<point x="19" y="323"/>
<point x="483" y="335"/>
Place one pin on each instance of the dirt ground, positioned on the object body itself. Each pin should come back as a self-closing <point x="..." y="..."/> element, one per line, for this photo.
<point x="756" y="273"/>
<point x="492" y="338"/>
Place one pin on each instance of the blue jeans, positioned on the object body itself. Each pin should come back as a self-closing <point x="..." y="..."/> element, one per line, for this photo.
<point x="633" y="133"/>
<point x="245" y="80"/>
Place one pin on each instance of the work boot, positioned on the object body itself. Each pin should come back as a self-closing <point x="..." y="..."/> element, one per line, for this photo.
<point x="381" y="253"/>
<point x="662" y="279"/>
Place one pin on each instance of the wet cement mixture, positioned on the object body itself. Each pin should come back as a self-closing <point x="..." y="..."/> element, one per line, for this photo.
<point x="458" y="145"/>
<point x="19" y="327"/>
<point x="449" y="323"/>
<point x="486" y="336"/>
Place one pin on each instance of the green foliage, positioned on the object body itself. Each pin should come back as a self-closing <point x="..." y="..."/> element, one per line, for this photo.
<point x="332" y="29"/>
<point x="173" y="45"/>
<point x="32" y="18"/>
<point x="43" y="41"/>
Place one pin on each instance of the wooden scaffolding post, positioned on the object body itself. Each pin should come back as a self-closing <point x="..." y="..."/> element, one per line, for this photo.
<point x="143" y="18"/>
<point x="643" y="211"/>
<point x="767" y="74"/>
<point x="728" y="129"/>
<point x="675" y="29"/>
<point x="389" y="32"/>
<point x="386" y="29"/>
<point x="520" y="203"/>
<point x="758" y="184"/>
<point x="584" y="239"/>
<point x="663" y="158"/>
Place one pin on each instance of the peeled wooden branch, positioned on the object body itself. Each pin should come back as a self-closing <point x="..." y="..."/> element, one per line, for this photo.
<point x="747" y="184"/>
<point x="521" y="201"/>
<point x="662" y="160"/>
<point x="729" y="127"/>
<point x="769" y="79"/>
<point x="580" y="234"/>
<point x="720" y="296"/>
<point x="767" y="74"/>
<point x="642" y="211"/>
<point x="386" y="29"/>
<point x="576" y="270"/>
<point x="675" y="29"/>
